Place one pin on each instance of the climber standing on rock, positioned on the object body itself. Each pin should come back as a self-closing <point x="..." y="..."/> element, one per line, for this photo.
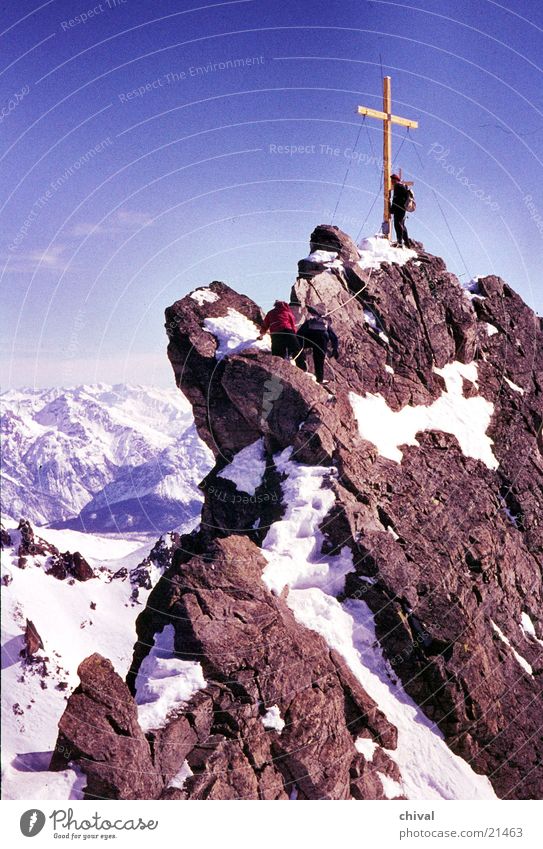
<point x="280" y="323"/>
<point x="316" y="333"/>
<point x="401" y="195"/>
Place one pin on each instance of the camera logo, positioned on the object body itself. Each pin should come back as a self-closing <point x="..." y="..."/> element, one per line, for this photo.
<point x="32" y="822"/>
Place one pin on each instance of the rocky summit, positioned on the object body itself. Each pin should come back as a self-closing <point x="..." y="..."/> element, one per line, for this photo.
<point x="358" y="615"/>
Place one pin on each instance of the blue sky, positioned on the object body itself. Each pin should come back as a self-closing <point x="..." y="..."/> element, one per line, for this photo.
<point x="146" y="148"/>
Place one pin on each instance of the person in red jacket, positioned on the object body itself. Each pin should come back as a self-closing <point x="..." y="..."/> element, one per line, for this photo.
<point x="280" y="323"/>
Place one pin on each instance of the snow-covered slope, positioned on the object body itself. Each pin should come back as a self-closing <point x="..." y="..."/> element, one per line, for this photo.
<point x="101" y="458"/>
<point x="73" y="619"/>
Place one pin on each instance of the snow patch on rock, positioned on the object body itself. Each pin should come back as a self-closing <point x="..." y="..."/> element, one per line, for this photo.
<point x="378" y="249"/>
<point x="330" y="259"/>
<point x="514" y="386"/>
<point x="234" y="332"/>
<point x="292" y="545"/>
<point x="518" y="657"/>
<point x="178" y="781"/>
<point x="366" y="747"/>
<point x="247" y="468"/>
<point x="466" y="418"/>
<point x="204" y="296"/>
<point x="165" y="682"/>
<point x="527" y="626"/>
<point x="391" y="788"/>
<point x="272" y="719"/>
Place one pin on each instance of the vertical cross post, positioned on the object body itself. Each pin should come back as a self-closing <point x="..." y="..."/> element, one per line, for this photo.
<point x="387" y="147"/>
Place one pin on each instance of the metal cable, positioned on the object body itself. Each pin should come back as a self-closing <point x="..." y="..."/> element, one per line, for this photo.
<point x="347" y="171"/>
<point x="442" y="212"/>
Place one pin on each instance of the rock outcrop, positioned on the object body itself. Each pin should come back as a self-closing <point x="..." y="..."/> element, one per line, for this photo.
<point x="109" y="743"/>
<point x="444" y="538"/>
<point x="33" y="641"/>
<point x="60" y="565"/>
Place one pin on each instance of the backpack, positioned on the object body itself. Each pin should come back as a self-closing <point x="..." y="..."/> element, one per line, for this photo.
<point x="316" y="323"/>
<point x="410" y="204"/>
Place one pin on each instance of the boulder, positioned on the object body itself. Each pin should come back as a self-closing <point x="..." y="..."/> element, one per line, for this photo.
<point x="99" y="731"/>
<point x="327" y="237"/>
<point x="33" y="641"/>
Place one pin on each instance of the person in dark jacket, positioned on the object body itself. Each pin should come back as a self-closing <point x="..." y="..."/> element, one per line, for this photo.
<point x="317" y="334"/>
<point x="281" y="325"/>
<point x="400" y="196"/>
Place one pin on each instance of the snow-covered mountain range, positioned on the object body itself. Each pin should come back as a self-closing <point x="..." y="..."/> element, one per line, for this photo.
<point x="101" y="458"/>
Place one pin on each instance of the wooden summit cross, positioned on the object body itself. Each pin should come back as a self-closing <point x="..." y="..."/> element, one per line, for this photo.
<point x="388" y="119"/>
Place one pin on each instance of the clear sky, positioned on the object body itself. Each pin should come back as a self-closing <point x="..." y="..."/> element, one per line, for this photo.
<point x="146" y="147"/>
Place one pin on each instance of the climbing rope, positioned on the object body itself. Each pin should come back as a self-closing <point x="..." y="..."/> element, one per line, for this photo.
<point x="348" y="301"/>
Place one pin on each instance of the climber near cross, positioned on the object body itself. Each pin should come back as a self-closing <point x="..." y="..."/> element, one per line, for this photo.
<point x="388" y="119"/>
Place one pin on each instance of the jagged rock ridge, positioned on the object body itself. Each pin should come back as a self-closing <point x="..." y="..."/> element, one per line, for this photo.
<point x="445" y="547"/>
